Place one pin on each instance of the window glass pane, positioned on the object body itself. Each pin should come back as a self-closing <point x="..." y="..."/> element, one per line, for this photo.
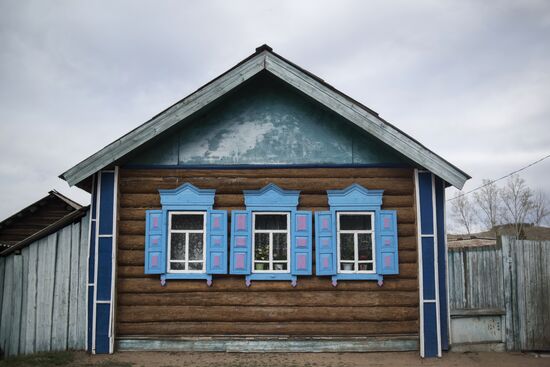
<point x="280" y="266"/>
<point x="196" y="245"/>
<point x="365" y="267"/>
<point x="195" y="266"/>
<point x="261" y="246"/>
<point x="270" y="221"/>
<point x="355" y="222"/>
<point x="187" y="221"/>
<point x="177" y="266"/>
<point x="347" y="266"/>
<point x="364" y="242"/>
<point x="261" y="266"/>
<point x="280" y="246"/>
<point x="177" y="246"/>
<point x="347" y="246"/>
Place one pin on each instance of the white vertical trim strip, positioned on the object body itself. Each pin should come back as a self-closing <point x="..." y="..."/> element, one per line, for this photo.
<point x="446" y="263"/>
<point x="98" y="198"/>
<point x="88" y="260"/>
<point x="420" y="277"/>
<point x="113" y="263"/>
<point x="436" y="269"/>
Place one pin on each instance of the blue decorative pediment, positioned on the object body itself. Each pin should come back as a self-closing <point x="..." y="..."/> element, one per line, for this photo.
<point x="272" y="197"/>
<point x="187" y="196"/>
<point x="355" y="196"/>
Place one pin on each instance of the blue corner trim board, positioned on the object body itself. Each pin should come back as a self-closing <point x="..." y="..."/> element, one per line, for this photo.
<point x="430" y="277"/>
<point x="101" y="266"/>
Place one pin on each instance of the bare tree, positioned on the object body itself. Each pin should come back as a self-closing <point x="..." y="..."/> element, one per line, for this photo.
<point x="487" y="199"/>
<point x="541" y="208"/>
<point x="462" y="211"/>
<point x="517" y="201"/>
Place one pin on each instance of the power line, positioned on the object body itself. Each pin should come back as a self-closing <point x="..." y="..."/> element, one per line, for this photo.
<point x="501" y="178"/>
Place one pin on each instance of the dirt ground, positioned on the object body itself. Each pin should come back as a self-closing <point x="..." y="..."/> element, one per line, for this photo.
<point x="166" y="359"/>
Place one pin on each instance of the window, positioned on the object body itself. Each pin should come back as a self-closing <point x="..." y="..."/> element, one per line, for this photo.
<point x="270" y="239"/>
<point x="186" y="242"/>
<point x="186" y="238"/>
<point x="271" y="242"/>
<point x="356" y="239"/>
<point x="356" y="242"/>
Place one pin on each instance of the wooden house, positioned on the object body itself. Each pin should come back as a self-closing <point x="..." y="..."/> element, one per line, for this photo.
<point x="267" y="211"/>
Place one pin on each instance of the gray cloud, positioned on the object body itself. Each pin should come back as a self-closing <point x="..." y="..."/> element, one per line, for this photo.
<point x="469" y="79"/>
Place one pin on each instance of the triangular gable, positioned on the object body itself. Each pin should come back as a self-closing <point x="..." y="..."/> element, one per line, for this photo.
<point x="265" y="59"/>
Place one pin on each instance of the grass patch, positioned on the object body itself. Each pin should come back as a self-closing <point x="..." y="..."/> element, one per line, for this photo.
<point x="39" y="359"/>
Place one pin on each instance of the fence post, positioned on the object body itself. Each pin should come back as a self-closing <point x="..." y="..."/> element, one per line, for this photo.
<point x="510" y="292"/>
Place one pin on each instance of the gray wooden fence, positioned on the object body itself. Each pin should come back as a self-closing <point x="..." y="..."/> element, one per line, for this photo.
<point x="43" y="293"/>
<point x="513" y="276"/>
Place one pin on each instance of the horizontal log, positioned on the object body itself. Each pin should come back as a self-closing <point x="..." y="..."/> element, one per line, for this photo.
<point x="235" y="185"/>
<point x="312" y="298"/>
<point x="137" y="257"/>
<point x="344" y="172"/>
<point x="404" y="214"/>
<point x="358" y="328"/>
<point x="142" y="283"/>
<point x="229" y="283"/>
<point x="244" y="313"/>
<point x="223" y="200"/>
<point x="137" y="242"/>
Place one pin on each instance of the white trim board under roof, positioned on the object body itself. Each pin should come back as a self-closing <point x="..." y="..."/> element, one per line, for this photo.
<point x="265" y="59"/>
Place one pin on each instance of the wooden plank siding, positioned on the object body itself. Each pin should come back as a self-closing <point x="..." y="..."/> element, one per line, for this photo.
<point x="42" y="299"/>
<point x="313" y="308"/>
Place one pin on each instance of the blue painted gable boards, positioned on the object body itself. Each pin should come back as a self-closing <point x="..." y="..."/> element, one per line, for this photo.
<point x="266" y="121"/>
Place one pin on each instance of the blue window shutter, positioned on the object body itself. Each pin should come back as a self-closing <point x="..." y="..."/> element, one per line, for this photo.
<point x="155" y="244"/>
<point x="386" y="247"/>
<point x="301" y="243"/>
<point x="241" y="242"/>
<point x="216" y="242"/>
<point x="325" y="244"/>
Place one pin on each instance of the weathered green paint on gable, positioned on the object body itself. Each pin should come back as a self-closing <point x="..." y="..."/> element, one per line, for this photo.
<point x="267" y="122"/>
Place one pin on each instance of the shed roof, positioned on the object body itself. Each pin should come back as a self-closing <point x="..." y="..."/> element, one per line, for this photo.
<point x="38" y="220"/>
<point x="264" y="59"/>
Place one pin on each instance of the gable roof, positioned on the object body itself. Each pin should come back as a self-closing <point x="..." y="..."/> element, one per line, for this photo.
<point x="265" y="59"/>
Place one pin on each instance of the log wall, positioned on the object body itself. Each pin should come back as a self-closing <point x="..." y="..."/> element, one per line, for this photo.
<point x="313" y="308"/>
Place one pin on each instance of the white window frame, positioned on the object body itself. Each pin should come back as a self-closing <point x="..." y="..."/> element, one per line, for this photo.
<point x="271" y="263"/>
<point x="355" y="233"/>
<point x="187" y="232"/>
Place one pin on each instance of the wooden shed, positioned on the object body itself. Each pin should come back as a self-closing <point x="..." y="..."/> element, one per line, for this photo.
<point x="267" y="211"/>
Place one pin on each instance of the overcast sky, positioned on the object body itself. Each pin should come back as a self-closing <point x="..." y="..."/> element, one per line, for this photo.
<point x="468" y="79"/>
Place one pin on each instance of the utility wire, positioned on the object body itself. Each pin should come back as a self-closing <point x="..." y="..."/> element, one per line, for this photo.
<point x="499" y="179"/>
